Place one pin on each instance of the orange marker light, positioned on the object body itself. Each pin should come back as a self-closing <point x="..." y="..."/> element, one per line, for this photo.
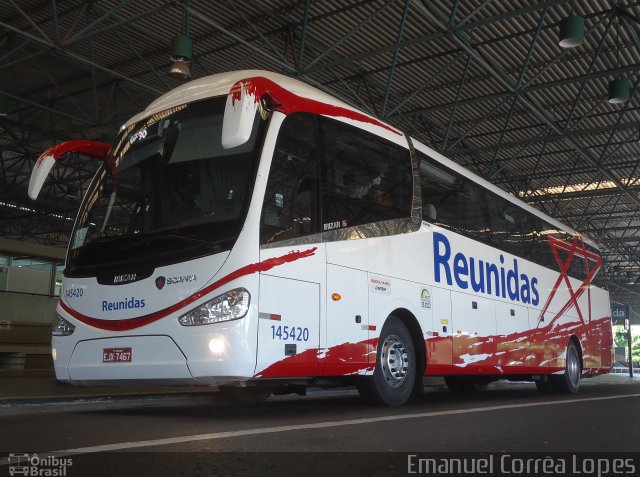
<point x="336" y="296"/>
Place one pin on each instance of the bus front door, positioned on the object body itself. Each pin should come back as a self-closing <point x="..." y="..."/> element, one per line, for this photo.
<point x="289" y="313"/>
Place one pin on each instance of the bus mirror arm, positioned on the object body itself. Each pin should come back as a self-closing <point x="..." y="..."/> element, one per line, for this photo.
<point x="44" y="164"/>
<point x="240" y="110"/>
<point x="245" y="99"/>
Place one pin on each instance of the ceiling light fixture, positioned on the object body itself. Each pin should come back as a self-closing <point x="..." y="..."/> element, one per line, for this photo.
<point x="571" y="31"/>
<point x="619" y="91"/>
<point x="181" y="51"/>
<point x="619" y="88"/>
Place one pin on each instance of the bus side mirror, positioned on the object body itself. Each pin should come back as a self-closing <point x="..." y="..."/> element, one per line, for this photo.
<point x="44" y="164"/>
<point x="39" y="173"/>
<point x="239" y="114"/>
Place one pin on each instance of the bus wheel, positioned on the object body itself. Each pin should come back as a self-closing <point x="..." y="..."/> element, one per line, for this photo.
<point x="393" y="380"/>
<point x="250" y="395"/>
<point x="569" y="381"/>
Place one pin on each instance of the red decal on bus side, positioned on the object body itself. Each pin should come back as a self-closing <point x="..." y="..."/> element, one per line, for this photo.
<point x="526" y="352"/>
<point x="536" y="351"/>
<point x="340" y="360"/>
<point x="576" y="249"/>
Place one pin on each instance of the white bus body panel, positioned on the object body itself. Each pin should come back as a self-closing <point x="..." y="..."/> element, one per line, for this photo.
<point x="346" y="349"/>
<point x="374" y="277"/>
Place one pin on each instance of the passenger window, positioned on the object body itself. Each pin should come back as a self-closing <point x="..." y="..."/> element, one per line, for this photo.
<point x="305" y="204"/>
<point x="456" y="203"/>
<point x="365" y="178"/>
<point x="290" y="206"/>
<point x="507" y="225"/>
<point x="452" y="201"/>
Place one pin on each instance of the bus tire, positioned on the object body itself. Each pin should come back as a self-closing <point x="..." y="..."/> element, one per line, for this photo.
<point x="569" y="381"/>
<point x="394" y="377"/>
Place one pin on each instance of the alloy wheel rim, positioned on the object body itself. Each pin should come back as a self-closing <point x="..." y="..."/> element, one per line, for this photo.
<point x="573" y="366"/>
<point x="395" y="360"/>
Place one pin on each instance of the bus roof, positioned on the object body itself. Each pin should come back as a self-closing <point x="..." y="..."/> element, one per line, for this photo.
<point x="221" y="84"/>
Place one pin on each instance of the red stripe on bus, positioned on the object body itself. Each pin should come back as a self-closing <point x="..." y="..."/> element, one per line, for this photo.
<point x="133" y="323"/>
<point x="519" y="353"/>
<point x="97" y="149"/>
<point x="288" y="103"/>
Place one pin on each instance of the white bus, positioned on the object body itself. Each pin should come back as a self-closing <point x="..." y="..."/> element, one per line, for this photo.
<point x="251" y="232"/>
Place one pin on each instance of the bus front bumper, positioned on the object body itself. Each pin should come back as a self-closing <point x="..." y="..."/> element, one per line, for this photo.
<point x="155" y="359"/>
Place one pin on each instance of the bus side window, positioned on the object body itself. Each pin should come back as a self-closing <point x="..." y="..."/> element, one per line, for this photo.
<point x="290" y="207"/>
<point x="506" y="225"/>
<point x="473" y="213"/>
<point x="452" y="201"/>
<point x="429" y="212"/>
<point x="365" y="178"/>
<point x="305" y="204"/>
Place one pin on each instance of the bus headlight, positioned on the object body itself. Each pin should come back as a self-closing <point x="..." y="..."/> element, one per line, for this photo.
<point x="61" y="327"/>
<point x="231" y="305"/>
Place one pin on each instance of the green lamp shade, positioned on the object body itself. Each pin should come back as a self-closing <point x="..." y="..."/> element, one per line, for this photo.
<point x="571" y="31"/>
<point x="619" y="91"/>
<point x="181" y="47"/>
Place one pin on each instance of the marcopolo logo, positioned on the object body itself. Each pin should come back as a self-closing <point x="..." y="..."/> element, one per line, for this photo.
<point x="483" y="277"/>
<point x="126" y="304"/>
<point x="334" y="225"/>
<point x="124" y="278"/>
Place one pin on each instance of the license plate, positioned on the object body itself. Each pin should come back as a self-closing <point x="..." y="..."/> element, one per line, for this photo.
<point x="116" y="355"/>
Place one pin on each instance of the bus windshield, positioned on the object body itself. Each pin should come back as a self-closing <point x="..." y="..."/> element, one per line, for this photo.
<point x="171" y="193"/>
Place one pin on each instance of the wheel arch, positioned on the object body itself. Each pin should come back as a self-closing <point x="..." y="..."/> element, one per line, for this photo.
<point x="412" y="324"/>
